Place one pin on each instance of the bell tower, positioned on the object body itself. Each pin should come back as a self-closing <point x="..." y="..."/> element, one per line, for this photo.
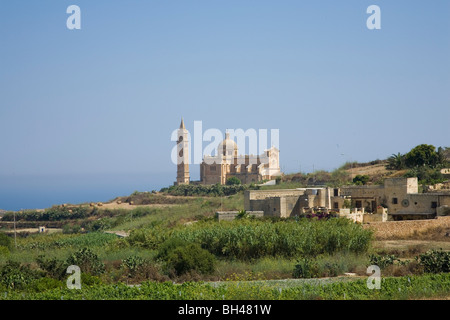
<point x="182" y="155"/>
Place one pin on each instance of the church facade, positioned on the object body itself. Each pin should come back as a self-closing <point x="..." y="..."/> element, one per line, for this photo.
<point x="227" y="163"/>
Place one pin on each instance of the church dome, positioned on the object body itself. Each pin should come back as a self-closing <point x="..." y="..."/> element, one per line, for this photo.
<point x="228" y="146"/>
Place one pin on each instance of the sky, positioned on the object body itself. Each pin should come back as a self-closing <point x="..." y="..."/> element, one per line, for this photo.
<point x="104" y="99"/>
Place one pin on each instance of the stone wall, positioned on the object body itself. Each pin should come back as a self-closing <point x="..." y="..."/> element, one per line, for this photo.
<point x="264" y="194"/>
<point x="231" y="215"/>
<point x="405" y="229"/>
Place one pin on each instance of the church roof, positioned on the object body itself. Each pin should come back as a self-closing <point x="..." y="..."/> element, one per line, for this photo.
<point x="182" y="124"/>
<point x="227" y="144"/>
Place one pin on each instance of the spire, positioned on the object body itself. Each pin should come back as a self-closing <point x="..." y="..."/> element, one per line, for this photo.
<point x="182" y="124"/>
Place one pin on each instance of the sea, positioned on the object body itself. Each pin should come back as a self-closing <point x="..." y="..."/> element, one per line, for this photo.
<point x="21" y="192"/>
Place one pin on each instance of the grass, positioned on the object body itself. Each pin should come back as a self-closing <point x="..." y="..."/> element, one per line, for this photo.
<point x="199" y="208"/>
<point x="414" y="287"/>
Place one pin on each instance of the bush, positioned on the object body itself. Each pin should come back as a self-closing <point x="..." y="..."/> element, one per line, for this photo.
<point x="5" y="241"/>
<point x="43" y="284"/>
<point x="191" y="258"/>
<point x="54" y="268"/>
<point x="435" y="261"/>
<point x="233" y="181"/>
<point x="88" y="261"/>
<point x="168" y="246"/>
<point x="382" y="261"/>
<point x="361" y="179"/>
<point x="305" y="268"/>
<point x="207" y="190"/>
<point x="133" y="264"/>
<point x="425" y="175"/>
<point x="90" y="280"/>
<point x="183" y="257"/>
<point x="13" y="275"/>
<point x="4" y="251"/>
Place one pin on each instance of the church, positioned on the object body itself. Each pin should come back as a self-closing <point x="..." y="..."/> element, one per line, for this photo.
<point x="226" y="163"/>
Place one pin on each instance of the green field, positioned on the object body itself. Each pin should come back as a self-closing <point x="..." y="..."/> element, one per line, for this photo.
<point x="180" y="251"/>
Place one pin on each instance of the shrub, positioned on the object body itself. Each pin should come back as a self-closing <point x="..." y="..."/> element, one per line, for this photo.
<point x="5" y="241"/>
<point x="242" y="214"/>
<point x="435" y="261"/>
<point x="168" y="246"/>
<point x="87" y="260"/>
<point x="133" y="264"/>
<point x="53" y="267"/>
<point x="183" y="257"/>
<point x="382" y="261"/>
<point x="13" y="275"/>
<point x="191" y="258"/>
<point x="233" y="181"/>
<point x="361" y="179"/>
<point x="305" y="268"/>
<point x="90" y="280"/>
<point x="43" y="284"/>
<point x="207" y="190"/>
<point x="4" y="251"/>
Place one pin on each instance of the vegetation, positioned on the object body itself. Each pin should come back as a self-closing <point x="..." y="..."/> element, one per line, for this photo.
<point x="435" y="261"/>
<point x="408" y="287"/>
<point x="233" y="181"/>
<point x="179" y="241"/>
<point x="396" y="162"/>
<point x="361" y="179"/>
<point x="252" y="239"/>
<point x="88" y="261"/>
<point x="208" y="190"/>
<point x="423" y="162"/>
<point x="190" y="257"/>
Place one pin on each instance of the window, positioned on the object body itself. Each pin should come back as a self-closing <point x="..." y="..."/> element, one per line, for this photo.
<point x="336" y="192"/>
<point x="394" y="200"/>
<point x="336" y="205"/>
<point x="433" y="205"/>
<point x="212" y="168"/>
<point x="274" y="209"/>
<point x="358" y="204"/>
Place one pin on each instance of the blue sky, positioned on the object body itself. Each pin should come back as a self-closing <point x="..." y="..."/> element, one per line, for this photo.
<point x="105" y="99"/>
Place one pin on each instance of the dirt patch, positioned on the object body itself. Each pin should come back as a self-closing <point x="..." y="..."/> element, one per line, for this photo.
<point x="419" y="246"/>
<point x="35" y="230"/>
<point x="377" y="169"/>
<point x="127" y="206"/>
<point x="433" y="229"/>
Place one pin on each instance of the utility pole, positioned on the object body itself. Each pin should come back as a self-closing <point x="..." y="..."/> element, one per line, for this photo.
<point x="15" y="238"/>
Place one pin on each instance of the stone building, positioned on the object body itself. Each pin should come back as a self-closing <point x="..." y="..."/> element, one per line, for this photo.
<point x="227" y="163"/>
<point x="400" y="197"/>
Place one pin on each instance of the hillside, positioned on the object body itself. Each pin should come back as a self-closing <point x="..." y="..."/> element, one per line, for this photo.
<point x="376" y="172"/>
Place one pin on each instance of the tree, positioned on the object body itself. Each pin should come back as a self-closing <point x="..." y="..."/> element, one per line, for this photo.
<point x="396" y="162"/>
<point x="233" y="181"/>
<point x="422" y="155"/>
<point x="441" y="157"/>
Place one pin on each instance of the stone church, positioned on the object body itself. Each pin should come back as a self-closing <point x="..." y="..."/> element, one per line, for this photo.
<point x="227" y="163"/>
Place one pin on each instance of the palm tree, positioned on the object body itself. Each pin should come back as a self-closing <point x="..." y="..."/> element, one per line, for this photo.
<point x="396" y="162"/>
